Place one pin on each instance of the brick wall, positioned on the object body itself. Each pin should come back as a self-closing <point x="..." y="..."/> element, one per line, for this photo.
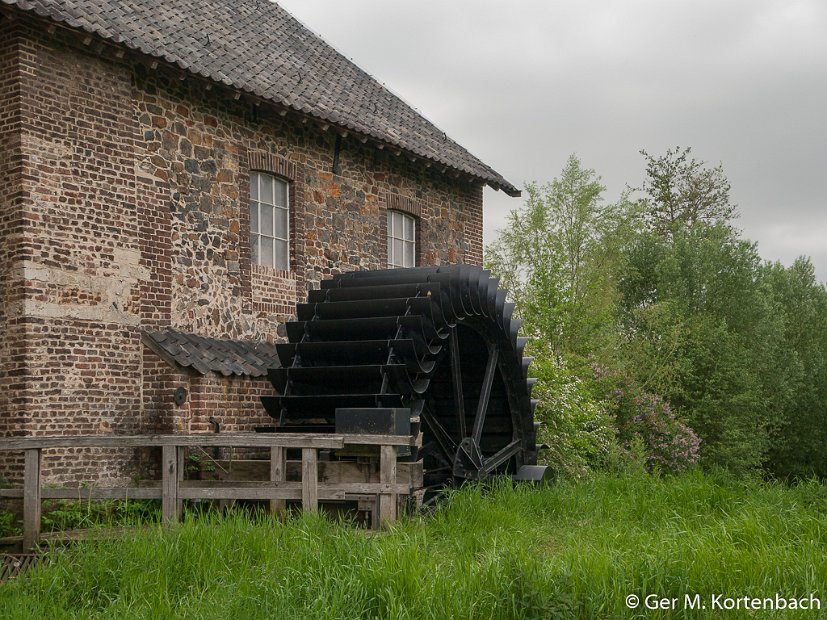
<point x="125" y="206"/>
<point x="12" y="323"/>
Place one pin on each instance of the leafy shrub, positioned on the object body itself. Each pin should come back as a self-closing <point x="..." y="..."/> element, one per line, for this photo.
<point x="576" y="426"/>
<point x="8" y="525"/>
<point x="67" y="514"/>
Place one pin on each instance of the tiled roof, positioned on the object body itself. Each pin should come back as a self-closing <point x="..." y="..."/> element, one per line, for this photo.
<point x="258" y="47"/>
<point x="206" y="355"/>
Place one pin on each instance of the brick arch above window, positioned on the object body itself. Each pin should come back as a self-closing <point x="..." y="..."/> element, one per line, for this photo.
<point x="396" y="202"/>
<point x="274" y="164"/>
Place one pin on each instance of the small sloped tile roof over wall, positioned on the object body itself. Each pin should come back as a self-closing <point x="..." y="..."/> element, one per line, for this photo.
<point x="258" y="47"/>
<point x="206" y="355"/>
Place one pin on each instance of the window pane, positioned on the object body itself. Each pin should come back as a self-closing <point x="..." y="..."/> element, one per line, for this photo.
<point x="266" y="251"/>
<point x="281" y="223"/>
<point x="254" y="249"/>
<point x="409" y="228"/>
<point x="254" y="176"/>
<point x="397" y="225"/>
<point x="266" y="189"/>
<point x="409" y="254"/>
<point x="281" y="255"/>
<point x="254" y="217"/>
<point x="397" y="254"/>
<point x="281" y="193"/>
<point x="266" y="220"/>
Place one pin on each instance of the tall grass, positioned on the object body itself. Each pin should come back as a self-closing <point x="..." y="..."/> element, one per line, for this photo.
<point x="572" y="550"/>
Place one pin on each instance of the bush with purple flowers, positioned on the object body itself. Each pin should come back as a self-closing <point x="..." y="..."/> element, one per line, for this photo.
<point x="670" y="446"/>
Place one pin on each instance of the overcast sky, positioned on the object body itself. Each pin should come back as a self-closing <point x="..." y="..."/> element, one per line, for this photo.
<point x="524" y="84"/>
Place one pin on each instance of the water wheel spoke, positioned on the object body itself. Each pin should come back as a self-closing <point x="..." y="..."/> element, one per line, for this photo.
<point x="485" y="393"/>
<point x="443" y="439"/>
<point x="493" y="462"/>
<point x="456" y="377"/>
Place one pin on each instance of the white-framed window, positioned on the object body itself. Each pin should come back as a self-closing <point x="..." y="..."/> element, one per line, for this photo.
<point x="269" y="221"/>
<point x="401" y="239"/>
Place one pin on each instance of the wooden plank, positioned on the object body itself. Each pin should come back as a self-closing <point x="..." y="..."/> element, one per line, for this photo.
<point x="149" y="489"/>
<point x="179" y="465"/>
<point x="169" y="484"/>
<point x="330" y="472"/>
<point x="387" y="475"/>
<point x="103" y="493"/>
<point x="310" y="480"/>
<point x="31" y="498"/>
<point x="259" y="493"/>
<point x="187" y="489"/>
<point x="265" y="440"/>
<point x="377" y="440"/>
<point x="364" y="488"/>
<point x="278" y="473"/>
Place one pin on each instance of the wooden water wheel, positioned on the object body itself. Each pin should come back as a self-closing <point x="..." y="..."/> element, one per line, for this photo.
<point x="438" y="343"/>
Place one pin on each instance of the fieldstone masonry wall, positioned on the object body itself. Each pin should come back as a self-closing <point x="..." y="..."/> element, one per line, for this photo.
<point x="124" y="206"/>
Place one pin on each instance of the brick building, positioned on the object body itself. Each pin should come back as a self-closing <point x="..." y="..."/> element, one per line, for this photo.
<point x="173" y="178"/>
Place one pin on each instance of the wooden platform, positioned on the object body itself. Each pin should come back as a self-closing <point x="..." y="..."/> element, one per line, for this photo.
<point x="12" y="566"/>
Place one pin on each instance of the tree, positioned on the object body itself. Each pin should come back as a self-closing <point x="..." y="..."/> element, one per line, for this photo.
<point x="700" y="331"/>
<point x="555" y="258"/>
<point x="681" y="191"/>
<point x="800" y="430"/>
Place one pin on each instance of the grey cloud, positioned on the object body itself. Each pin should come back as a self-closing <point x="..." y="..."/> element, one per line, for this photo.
<point x="524" y="84"/>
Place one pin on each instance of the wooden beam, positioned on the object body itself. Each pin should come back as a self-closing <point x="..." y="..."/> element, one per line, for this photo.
<point x="86" y="493"/>
<point x="169" y="485"/>
<point x="219" y="489"/>
<point x="31" y="498"/>
<point x="278" y="473"/>
<point x="377" y="440"/>
<point x="295" y="493"/>
<point x="179" y="467"/>
<point x="330" y="472"/>
<point x="261" y="440"/>
<point x="387" y="475"/>
<point x="310" y="480"/>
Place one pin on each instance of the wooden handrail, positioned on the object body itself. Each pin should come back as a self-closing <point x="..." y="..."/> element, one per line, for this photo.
<point x="173" y="489"/>
<point x="248" y="440"/>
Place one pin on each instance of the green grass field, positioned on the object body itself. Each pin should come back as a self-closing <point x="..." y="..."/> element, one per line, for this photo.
<point x="571" y="550"/>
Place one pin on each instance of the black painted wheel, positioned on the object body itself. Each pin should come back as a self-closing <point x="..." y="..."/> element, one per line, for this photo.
<point x="439" y="341"/>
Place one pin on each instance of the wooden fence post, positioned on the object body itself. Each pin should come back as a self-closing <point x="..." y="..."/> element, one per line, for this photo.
<point x="170" y="505"/>
<point x="310" y="480"/>
<point x="31" y="498"/>
<point x="387" y="475"/>
<point x="278" y="473"/>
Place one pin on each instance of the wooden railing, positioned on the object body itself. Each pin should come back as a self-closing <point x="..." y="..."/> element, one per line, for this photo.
<point x="173" y="489"/>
